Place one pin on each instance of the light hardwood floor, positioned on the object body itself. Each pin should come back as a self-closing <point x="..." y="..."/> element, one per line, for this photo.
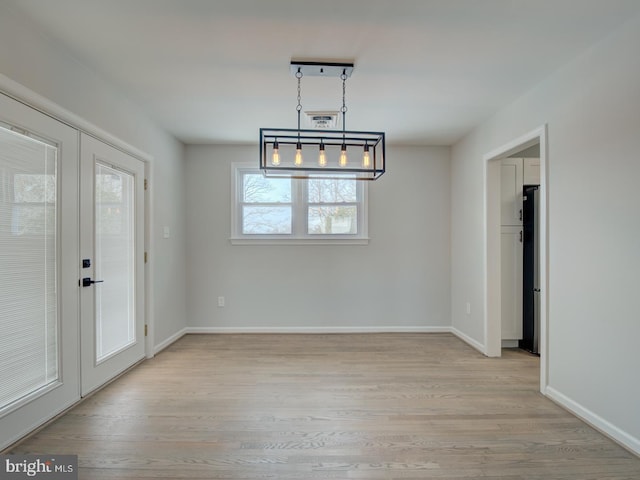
<point x="372" y="406"/>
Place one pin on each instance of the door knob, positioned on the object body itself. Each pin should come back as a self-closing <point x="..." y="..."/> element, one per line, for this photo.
<point x="87" y="282"/>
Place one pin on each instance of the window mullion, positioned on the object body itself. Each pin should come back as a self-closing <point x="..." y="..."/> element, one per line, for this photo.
<point x="299" y="208"/>
<point x="361" y="206"/>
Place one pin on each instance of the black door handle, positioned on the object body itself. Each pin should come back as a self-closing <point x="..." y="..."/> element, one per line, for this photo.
<point x="87" y="282"/>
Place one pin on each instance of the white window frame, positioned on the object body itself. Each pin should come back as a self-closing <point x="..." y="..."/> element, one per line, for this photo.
<point x="299" y="202"/>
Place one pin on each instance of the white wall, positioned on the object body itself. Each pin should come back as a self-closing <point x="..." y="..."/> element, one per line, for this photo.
<point x="38" y="63"/>
<point x="399" y="281"/>
<point x="592" y="108"/>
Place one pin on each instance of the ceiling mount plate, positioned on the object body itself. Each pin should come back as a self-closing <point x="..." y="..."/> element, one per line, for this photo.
<point x="322" y="120"/>
<point x="321" y="69"/>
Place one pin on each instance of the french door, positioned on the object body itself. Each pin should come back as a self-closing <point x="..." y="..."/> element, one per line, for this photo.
<point x="112" y="262"/>
<point x="39" y="318"/>
<point x="71" y="266"/>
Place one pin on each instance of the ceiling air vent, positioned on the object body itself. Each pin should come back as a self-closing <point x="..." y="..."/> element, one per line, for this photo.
<point x="322" y="120"/>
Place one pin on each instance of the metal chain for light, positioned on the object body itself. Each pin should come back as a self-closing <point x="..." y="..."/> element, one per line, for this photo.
<point x="342" y="162"/>
<point x="298" y="157"/>
<point x="299" y="106"/>
<point x="344" y="104"/>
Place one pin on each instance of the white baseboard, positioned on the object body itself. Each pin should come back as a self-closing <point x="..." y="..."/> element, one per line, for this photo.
<point x="603" y="426"/>
<point x="467" y="339"/>
<point x="416" y="329"/>
<point x="164" y="344"/>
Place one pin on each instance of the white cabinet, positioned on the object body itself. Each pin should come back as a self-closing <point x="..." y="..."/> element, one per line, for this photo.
<point x="511" y="178"/>
<point x="514" y="174"/>
<point x="511" y="279"/>
<point x="531" y="171"/>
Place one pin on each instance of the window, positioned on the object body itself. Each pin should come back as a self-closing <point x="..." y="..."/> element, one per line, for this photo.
<point x="29" y="267"/>
<point x="285" y="210"/>
<point x="34" y="204"/>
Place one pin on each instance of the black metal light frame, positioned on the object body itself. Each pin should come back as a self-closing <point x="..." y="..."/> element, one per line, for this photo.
<point x="363" y="152"/>
<point x="332" y="141"/>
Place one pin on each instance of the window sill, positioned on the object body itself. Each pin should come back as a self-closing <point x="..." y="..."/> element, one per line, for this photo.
<point x="299" y="241"/>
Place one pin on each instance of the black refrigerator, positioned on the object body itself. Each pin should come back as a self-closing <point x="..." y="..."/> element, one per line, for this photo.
<point x="531" y="270"/>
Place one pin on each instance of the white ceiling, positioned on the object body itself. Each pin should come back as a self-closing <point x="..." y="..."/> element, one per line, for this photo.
<point x="427" y="71"/>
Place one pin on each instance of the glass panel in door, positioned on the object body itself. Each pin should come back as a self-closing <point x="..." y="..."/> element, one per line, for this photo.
<point x="114" y="257"/>
<point x="28" y="262"/>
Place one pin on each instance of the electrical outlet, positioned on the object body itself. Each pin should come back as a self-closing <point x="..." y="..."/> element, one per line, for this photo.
<point x="221" y="302"/>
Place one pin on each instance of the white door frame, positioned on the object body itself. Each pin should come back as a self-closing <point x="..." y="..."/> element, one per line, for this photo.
<point x="36" y="101"/>
<point x="149" y="246"/>
<point x="491" y="261"/>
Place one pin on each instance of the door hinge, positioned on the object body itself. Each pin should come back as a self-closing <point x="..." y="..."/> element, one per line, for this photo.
<point x="145" y="257"/>
<point x="146" y="184"/>
<point x="146" y="329"/>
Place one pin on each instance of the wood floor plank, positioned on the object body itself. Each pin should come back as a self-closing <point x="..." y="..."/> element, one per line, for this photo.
<point x="371" y="406"/>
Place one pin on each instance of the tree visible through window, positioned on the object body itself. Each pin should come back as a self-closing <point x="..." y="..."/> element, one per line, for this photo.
<point x="284" y="208"/>
<point x="333" y="206"/>
<point x="266" y="205"/>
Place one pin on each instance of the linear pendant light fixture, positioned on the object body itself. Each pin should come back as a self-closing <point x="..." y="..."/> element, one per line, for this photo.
<point x="298" y="153"/>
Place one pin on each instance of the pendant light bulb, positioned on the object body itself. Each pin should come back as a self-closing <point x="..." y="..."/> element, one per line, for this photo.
<point x="298" y="159"/>
<point x="343" y="156"/>
<point x="366" y="158"/>
<point x="322" y="157"/>
<point x="275" y="157"/>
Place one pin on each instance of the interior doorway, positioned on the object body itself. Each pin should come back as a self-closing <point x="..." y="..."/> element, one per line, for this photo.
<point x="492" y="260"/>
